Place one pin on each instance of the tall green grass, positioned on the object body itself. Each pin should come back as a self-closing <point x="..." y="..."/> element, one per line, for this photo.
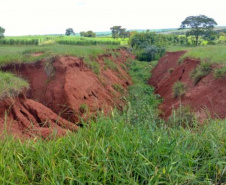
<point x="26" y="40"/>
<point x="88" y="41"/>
<point x="129" y="147"/>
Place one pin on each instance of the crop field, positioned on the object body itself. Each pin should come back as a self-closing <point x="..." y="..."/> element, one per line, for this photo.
<point x="68" y="40"/>
<point x="26" y="40"/>
<point x="91" y="41"/>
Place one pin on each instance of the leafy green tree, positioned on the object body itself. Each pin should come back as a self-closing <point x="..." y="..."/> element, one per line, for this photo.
<point x="2" y="31"/>
<point x="119" y="32"/>
<point x="83" y="34"/>
<point x="90" y="34"/>
<point x="198" y="25"/>
<point x="69" y="32"/>
<point x="87" y="34"/>
<point x="115" y="30"/>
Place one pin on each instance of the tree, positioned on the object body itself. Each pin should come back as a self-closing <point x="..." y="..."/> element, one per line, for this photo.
<point x="69" y="32"/>
<point x="87" y="34"/>
<point x="198" y="25"/>
<point x="2" y="31"/>
<point x="119" y="32"/>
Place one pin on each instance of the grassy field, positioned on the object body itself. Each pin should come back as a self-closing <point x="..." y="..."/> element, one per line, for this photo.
<point x="212" y="54"/>
<point x="129" y="147"/>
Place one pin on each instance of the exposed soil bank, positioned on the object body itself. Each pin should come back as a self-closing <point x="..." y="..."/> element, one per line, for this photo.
<point x="66" y="87"/>
<point x="23" y="117"/>
<point x="206" y="98"/>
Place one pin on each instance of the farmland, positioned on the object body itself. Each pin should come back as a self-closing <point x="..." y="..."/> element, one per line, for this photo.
<point x="71" y="40"/>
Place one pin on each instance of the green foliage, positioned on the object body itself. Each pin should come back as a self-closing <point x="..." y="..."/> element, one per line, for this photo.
<point x="11" y="85"/>
<point x="87" y="34"/>
<point x="150" y="53"/>
<point x="201" y="71"/>
<point x="119" y="32"/>
<point x="69" y="32"/>
<point x="179" y="89"/>
<point x="2" y="31"/>
<point x="144" y="39"/>
<point x="198" y="25"/>
<point x="220" y="72"/>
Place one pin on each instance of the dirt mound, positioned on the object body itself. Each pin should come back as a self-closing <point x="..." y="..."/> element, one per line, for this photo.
<point x="27" y="118"/>
<point x="206" y="98"/>
<point x="66" y="86"/>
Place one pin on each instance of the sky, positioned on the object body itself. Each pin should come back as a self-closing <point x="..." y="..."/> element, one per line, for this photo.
<point x="38" y="17"/>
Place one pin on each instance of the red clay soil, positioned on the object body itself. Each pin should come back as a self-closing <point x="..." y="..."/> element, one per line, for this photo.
<point x="63" y="86"/>
<point x="26" y="118"/>
<point x="207" y="98"/>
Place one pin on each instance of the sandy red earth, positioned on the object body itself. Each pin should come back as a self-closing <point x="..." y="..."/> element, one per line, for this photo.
<point x="207" y="98"/>
<point x="62" y="90"/>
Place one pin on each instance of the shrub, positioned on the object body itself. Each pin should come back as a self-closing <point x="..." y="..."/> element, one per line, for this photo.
<point x="221" y="72"/>
<point x="178" y="89"/>
<point x="150" y="53"/>
<point x="201" y="71"/>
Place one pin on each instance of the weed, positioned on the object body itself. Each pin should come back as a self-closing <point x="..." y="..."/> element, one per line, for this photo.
<point x="220" y="73"/>
<point x="94" y="66"/>
<point x="83" y="108"/>
<point x="118" y="87"/>
<point x="48" y="68"/>
<point x="178" y="89"/>
<point x="110" y="64"/>
<point x="201" y="71"/>
<point x="171" y="70"/>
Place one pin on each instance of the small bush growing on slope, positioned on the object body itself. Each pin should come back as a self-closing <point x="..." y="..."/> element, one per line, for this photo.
<point x="221" y="72"/>
<point x="201" y="71"/>
<point x="178" y="89"/>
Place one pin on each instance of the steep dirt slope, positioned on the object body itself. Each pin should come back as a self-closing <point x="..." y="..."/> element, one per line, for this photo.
<point x="24" y="118"/>
<point x="207" y="97"/>
<point x="66" y="87"/>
